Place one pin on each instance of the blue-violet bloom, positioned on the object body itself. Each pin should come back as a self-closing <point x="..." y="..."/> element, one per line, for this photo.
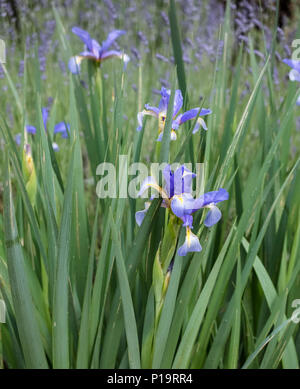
<point x="160" y="113"/>
<point x="176" y="195"/>
<point x="60" y="128"/>
<point x="94" y="51"/>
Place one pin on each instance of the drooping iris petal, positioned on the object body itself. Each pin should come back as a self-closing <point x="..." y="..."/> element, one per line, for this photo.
<point x="292" y="63"/>
<point x="149" y="182"/>
<point x="173" y="136"/>
<point x="191" y="244"/>
<point x="84" y="36"/>
<point x="192" y="113"/>
<point x="112" y="36"/>
<point x="155" y="110"/>
<point x="183" y="180"/>
<point x="298" y="101"/>
<point x="140" y="116"/>
<point x="200" y="123"/>
<point x="139" y="216"/>
<point x="62" y="128"/>
<point x="55" y="147"/>
<point x="110" y="54"/>
<point x="182" y="205"/>
<point x="74" y="64"/>
<point x="118" y="54"/>
<point x="294" y="75"/>
<point x="211" y="197"/>
<point x="213" y="216"/>
<point x="30" y="129"/>
<point x="178" y="101"/>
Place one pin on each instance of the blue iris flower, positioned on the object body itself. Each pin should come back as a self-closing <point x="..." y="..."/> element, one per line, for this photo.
<point x="294" y="74"/>
<point x="60" y="128"/>
<point x="176" y="195"/>
<point x="160" y="113"/>
<point x="94" y="51"/>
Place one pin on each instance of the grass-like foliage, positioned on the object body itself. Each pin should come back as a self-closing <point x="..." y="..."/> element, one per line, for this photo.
<point x="83" y="284"/>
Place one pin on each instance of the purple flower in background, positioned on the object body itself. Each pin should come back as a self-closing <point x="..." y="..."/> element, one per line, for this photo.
<point x="176" y="194"/>
<point x="94" y="51"/>
<point x="160" y="112"/>
<point x="294" y="74"/>
<point x="61" y="127"/>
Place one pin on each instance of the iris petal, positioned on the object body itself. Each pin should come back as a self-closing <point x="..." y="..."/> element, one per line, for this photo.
<point x="139" y="216"/>
<point x="112" y="36"/>
<point x="292" y="63"/>
<point x="62" y="128"/>
<point x="192" y="113"/>
<point x="178" y="101"/>
<point x="84" y="36"/>
<point x="182" y="205"/>
<point x="30" y="129"/>
<point x="191" y="244"/>
<point x="173" y="136"/>
<point x="213" y="216"/>
<point x="200" y="123"/>
<point x="168" y="181"/>
<point x="149" y="182"/>
<point x="211" y="197"/>
<point x="140" y="117"/>
<point x="294" y="75"/>
<point x="183" y="180"/>
<point x="164" y="101"/>
<point x="74" y="64"/>
<point x="55" y="146"/>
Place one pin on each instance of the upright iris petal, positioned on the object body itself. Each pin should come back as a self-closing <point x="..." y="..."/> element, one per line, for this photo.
<point x="84" y="36"/>
<point x="164" y="101"/>
<point x="183" y="180"/>
<point x="112" y="36"/>
<point x="178" y="101"/>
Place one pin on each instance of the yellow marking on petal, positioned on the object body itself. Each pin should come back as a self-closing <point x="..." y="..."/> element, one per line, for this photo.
<point x="78" y="59"/>
<point x="188" y="236"/>
<point x="161" y="121"/>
